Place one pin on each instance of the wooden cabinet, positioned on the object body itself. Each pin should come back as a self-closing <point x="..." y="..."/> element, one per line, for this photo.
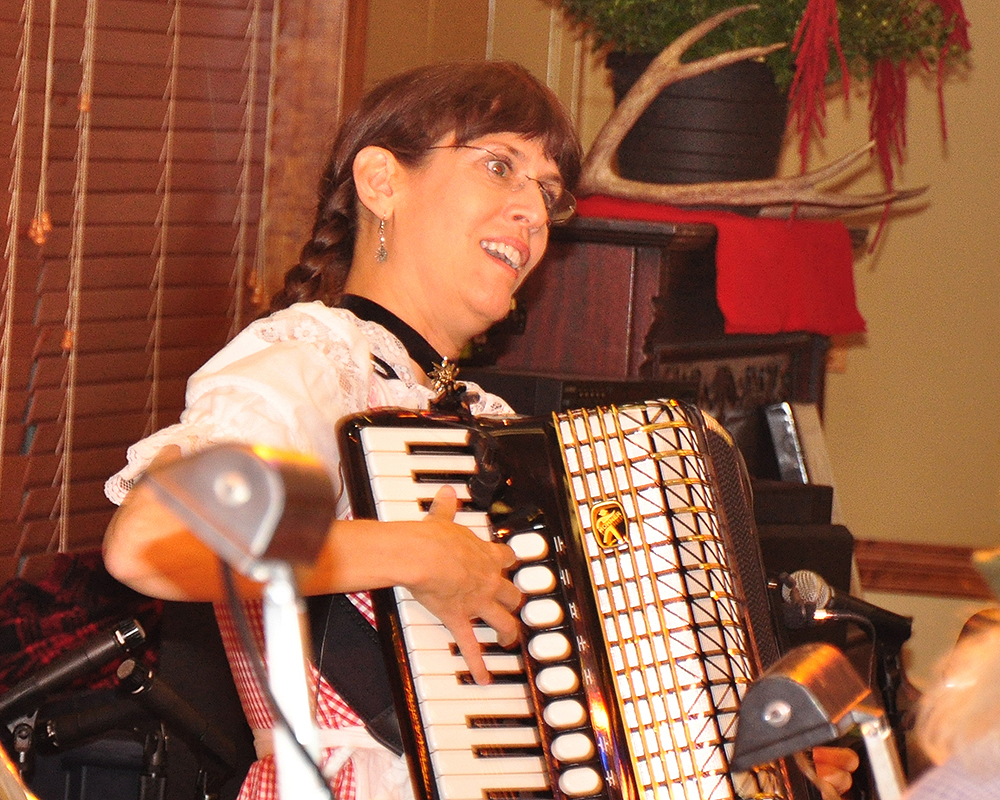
<point x="629" y="301"/>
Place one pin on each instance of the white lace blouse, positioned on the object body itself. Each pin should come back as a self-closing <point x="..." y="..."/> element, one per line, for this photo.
<point x="284" y="382"/>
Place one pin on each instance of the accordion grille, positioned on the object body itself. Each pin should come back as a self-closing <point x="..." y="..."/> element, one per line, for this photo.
<point x="669" y="608"/>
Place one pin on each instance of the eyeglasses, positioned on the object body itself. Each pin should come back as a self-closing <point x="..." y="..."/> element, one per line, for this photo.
<point x="560" y="205"/>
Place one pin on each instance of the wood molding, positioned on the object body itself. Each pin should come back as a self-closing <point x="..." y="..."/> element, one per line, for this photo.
<point x="318" y="72"/>
<point x="925" y="569"/>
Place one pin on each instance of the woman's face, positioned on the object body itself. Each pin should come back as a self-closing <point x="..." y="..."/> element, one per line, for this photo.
<point x="464" y="240"/>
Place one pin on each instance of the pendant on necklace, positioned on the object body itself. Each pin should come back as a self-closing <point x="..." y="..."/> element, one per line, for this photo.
<point x="443" y="376"/>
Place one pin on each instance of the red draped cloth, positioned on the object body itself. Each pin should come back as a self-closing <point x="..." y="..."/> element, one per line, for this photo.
<point x="772" y="276"/>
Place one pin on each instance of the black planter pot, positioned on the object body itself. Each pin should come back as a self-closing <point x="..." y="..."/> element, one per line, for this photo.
<point x="724" y="125"/>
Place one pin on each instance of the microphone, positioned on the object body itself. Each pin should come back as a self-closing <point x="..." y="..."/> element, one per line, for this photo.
<point x="812" y="599"/>
<point x="53" y="734"/>
<point x="94" y="654"/>
<point x="161" y="700"/>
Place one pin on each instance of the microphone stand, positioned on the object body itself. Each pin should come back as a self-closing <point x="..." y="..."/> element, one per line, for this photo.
<point x="889" y="675"/>
<point x="23" y="732"/>
<point x="93" y="654"/>
<point x="215" y="752"/>
<point x="888" y="670"/>
<point x="810" y="696"/>
<point x="886" y="641"/>
<point x="298" y="743"/>
<point x="153" y="780"/>
<point x="263" y="511"/>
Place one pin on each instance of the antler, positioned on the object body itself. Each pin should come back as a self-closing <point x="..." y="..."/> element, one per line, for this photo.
<point x="776" y="195"/>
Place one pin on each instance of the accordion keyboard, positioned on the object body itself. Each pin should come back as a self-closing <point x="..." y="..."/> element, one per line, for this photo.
<point x="481" y="740"/>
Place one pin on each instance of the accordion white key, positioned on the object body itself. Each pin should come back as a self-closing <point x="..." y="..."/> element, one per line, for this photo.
<point x="646" y="616"/>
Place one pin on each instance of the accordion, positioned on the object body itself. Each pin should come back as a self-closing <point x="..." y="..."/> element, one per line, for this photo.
<point x="646" y="614"/>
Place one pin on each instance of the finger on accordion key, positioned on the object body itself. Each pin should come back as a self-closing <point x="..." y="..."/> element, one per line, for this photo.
<point x="436" y="662"/>
<point x="528" y="546"/>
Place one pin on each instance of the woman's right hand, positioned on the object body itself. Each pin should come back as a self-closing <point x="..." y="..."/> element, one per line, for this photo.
<point x="461" y="578"/>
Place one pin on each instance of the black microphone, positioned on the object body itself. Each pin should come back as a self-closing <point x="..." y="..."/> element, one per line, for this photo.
<point x="805" y="589"/>
<point x="160" y="699"/>
<point x="60" y="732"/>
<point x="94" y="654"/>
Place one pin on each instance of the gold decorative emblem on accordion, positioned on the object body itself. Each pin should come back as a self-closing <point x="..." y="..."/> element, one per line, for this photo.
<point x="643" y="625"/>
<point x="609" y="523"/>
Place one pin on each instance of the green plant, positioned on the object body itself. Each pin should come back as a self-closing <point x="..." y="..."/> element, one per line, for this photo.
<point x="874" y="41"/>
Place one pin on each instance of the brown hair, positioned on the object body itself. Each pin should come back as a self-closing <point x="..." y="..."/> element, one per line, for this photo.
<point x="407" y="115"/>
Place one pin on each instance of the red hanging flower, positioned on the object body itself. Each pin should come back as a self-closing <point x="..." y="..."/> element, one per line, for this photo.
<point x="817" y="30"/>
<point x="887" y="114"/>
<point x="887" y="98"/>
<point x="955" y="18"/>
<point x="958" y="37"/>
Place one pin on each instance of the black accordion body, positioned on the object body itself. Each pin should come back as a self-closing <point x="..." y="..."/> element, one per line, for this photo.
<point x="646" y="615"/>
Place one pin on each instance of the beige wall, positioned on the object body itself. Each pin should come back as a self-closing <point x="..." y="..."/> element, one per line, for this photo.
<point x="406" y="33"/>
<point x="912" y="423"/>
<point x="911" y="420"/>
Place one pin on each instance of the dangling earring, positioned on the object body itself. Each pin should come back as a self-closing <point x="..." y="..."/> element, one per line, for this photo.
<point x="381" y="254"/>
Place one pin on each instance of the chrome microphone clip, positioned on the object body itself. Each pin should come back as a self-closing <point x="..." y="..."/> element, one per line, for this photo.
<point x="253" y="505"/>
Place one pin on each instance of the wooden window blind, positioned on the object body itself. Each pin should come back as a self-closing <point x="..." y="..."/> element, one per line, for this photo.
<point x="133" y="165"/>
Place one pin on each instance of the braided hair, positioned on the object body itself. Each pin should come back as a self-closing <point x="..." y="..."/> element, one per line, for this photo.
<point x="407" y="115"/>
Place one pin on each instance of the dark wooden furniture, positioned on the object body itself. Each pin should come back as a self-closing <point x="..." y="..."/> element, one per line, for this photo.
<point x="628" y="300"/>
<point x="633" y="301"/>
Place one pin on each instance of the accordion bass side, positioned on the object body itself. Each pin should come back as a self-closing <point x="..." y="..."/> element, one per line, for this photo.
<point x="646" y="616"/>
